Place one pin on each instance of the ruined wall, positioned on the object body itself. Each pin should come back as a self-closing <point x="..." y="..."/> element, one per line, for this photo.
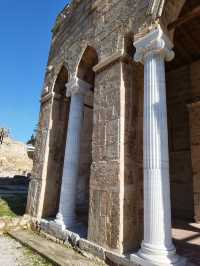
<point x="133" y="155"/>
<point x="178" y="95"/>
<point x="105" y="180"/>
<point x="85" y="161"/>
<point x="194" y="114"/>
<point x="115" y="216"/>
<point x="40" y="160"/>
<point x="183" y="89"/>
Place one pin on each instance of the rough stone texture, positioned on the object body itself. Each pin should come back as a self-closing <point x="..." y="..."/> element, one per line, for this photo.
<point x="105" y="33"/>
<point x="85" y="247"/>
<point x="194" y="118"/>
<point x="7" y="224"/>
<point x="178" y="92"/>
<point x="92" y="248"/>
<point x="14" y="159"/>
<point x="183" y="116"/>
<point x="57" y="254"/>
<point x="114" y="182"/>
<point x="85" y="161"/>
<point x="15" y="254"/>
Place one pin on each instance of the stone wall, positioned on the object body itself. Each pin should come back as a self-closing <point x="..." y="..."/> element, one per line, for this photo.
<point x="178" y="95"/>
<point x="194" y="115"/>
<point x="115" y="213"/>
<point x="106" y="183"/>
<point x="182" y="89"/>
<point x="85" y="161"/>
<point x="11" y="224"/>
<point x="104" y="26"/>
<point x="14" y="159"/>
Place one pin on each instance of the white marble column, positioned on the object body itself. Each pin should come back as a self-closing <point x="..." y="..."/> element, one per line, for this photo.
<point x="66" y="217"/>
<point x="157" y="247"/>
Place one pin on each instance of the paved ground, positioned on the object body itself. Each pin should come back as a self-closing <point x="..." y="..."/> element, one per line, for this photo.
<point x="187" y="240"/>
<point x="58" y="254"/>
<point x="13" y="253"/>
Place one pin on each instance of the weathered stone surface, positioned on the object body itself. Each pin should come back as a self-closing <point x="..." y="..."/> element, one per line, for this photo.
<point x="110" y="183"/>
<point x="92" y="248"/>
<point x="14" y="159"/>
<point x="7" y="223"/>
<point x="57" y="254"/>
<point x="118" y="260"/>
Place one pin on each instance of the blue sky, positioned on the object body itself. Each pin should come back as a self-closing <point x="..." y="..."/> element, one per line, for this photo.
<point x="25" y="36"/>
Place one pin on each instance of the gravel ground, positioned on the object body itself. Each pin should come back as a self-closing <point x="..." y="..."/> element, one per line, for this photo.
<point x="13" y="253"/>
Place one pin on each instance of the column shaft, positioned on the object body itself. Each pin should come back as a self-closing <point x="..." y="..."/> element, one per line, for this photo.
<point x="71" y="162"/>
<point x="157" y="247"/>
<point x="66" y="217"/>
<point x="157" y="209"/>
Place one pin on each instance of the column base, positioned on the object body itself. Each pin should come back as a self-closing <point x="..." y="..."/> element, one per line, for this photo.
<point x="64" y="222"/>
<point x="151" y="257"/>
<point x="150" y="261"/>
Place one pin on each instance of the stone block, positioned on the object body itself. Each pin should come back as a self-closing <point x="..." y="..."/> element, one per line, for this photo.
<point x="118" y="259"/>
<point x="71" y="237"/>
<point x="13" y="223"/>
<point x="93" y="248"/>
<point x="44" y="225"/>
<point x="55" y="230"/>
<point x="112" y="131"/>
<point x="105" y="173"/>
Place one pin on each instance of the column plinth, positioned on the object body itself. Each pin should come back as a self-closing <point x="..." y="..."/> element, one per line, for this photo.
<point x="66" y="217"/>
<point x="157" y="247"/>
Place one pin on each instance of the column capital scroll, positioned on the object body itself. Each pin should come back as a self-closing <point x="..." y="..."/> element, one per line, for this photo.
<point x="77" y="86"/>
<point x="154" y="42"/>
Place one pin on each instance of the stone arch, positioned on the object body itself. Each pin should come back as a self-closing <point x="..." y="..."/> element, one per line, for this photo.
<point x="61" y="74"/>
<point x="57" y="140"/>
<point x="171" y="11"/>
<point x="88" y="59"/>
<point x="129" y="48"/>
<point x="61" y="78"/>
<point x="84" y="72"/>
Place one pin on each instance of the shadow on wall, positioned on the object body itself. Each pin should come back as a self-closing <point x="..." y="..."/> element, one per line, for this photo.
<point x="13" y="196"/>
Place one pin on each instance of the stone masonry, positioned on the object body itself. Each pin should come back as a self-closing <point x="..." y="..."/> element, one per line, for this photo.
<point x="95" y="42"/>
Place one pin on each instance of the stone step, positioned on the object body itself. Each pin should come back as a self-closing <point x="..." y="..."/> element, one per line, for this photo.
<point x="56" y="253"/>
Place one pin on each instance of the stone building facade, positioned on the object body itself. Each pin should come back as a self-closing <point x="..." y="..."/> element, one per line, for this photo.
<point x="119" y="119"/>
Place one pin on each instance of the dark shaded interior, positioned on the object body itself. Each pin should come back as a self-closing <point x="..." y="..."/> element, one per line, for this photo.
<point x="86" y="73"/>
<point x="88" y="61"/>
<point x="179" y="78"/>
<point x="57" y="142"/>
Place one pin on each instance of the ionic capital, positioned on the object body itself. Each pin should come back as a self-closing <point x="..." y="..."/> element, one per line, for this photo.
<point x="77" y="86"/>
<point x="154" y="42"/>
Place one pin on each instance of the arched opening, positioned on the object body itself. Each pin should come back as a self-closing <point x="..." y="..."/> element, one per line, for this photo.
<point x="57" y="142"/>
<point x="85" y="72"/>
<point x="183" y="94"/>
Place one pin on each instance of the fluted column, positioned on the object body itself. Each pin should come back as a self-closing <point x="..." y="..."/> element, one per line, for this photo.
<point x="66" y="216"/>
<point x="157" y="247"/>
